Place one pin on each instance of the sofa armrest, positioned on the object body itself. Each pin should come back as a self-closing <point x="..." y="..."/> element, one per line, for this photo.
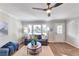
<point x="16" y="45"/>
<point x="4" y="51"/>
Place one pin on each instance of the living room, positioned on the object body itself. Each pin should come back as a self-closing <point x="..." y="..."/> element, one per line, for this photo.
<point x="55" y="34"/>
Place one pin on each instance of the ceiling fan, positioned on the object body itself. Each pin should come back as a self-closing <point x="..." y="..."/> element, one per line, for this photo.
<point x="49" y="8"/>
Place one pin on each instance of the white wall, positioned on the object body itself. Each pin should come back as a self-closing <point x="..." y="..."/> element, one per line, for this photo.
<point x="73" y="32"/>
<point x="13" y="27"/>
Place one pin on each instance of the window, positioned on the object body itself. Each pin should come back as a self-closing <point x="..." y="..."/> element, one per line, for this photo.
<point x="45" y="29"/>
<point x="37" y="29"/>
<point x="25" y="30"/>
<point x="28" y="29"/>
<point x="59" y="29"/>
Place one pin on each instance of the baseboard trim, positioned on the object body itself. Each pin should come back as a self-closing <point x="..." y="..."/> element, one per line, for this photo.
<point x="56" y="42"/>
<point x="72" y="45"/>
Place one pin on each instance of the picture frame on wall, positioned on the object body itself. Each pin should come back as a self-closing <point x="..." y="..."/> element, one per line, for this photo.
<point x="3" y="28"/>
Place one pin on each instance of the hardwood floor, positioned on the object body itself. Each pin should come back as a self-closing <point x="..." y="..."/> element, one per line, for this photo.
<point x="58" y="49"/>
<point x="46" y="51"/>
<point x="63" y="49"/>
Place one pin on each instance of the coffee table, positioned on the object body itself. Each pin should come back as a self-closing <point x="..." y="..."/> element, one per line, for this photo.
<point x="34" y="50"/>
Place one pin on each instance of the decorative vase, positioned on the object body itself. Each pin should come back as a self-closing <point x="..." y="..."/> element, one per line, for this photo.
<point x="32" y="43"/>
<point x="35" y="42"/>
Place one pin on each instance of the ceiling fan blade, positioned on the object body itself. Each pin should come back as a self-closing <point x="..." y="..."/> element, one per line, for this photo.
<point x="40" y="9"/>
<point x="56" y="5"/>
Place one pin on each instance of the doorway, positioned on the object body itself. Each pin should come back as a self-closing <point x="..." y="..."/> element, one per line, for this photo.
<point x="57" y="32"/>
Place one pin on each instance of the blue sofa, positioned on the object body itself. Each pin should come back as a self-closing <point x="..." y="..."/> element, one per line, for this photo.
<point x="15" y="45"/>
<point x="11" y="46"/>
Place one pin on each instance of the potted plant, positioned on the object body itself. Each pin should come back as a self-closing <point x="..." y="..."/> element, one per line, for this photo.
<point x="34" y="41"/>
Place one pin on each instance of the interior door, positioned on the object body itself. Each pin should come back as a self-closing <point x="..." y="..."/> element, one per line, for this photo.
<point x="51" y="33"/>
<point x="59" y="32"/>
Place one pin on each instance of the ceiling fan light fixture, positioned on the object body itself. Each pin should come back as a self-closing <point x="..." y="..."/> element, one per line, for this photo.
<point x="48" y="11"/>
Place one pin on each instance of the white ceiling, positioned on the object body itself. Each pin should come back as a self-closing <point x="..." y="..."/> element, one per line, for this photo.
<point x="24" y="11"/>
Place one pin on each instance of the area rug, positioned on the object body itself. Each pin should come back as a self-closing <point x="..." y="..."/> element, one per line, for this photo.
<point x="46" y="51"/>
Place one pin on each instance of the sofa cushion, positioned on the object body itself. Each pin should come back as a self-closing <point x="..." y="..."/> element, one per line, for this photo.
<point x="15" y="45"/>
<point x="11" y="46"/>
<point x="11" y="49"/>
<point x="39" y="37"/>
<point x="4" y="51"/>
<point x="28" y="37"/>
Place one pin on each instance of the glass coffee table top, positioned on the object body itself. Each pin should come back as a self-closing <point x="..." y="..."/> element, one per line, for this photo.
<point x="32" y="50"/>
